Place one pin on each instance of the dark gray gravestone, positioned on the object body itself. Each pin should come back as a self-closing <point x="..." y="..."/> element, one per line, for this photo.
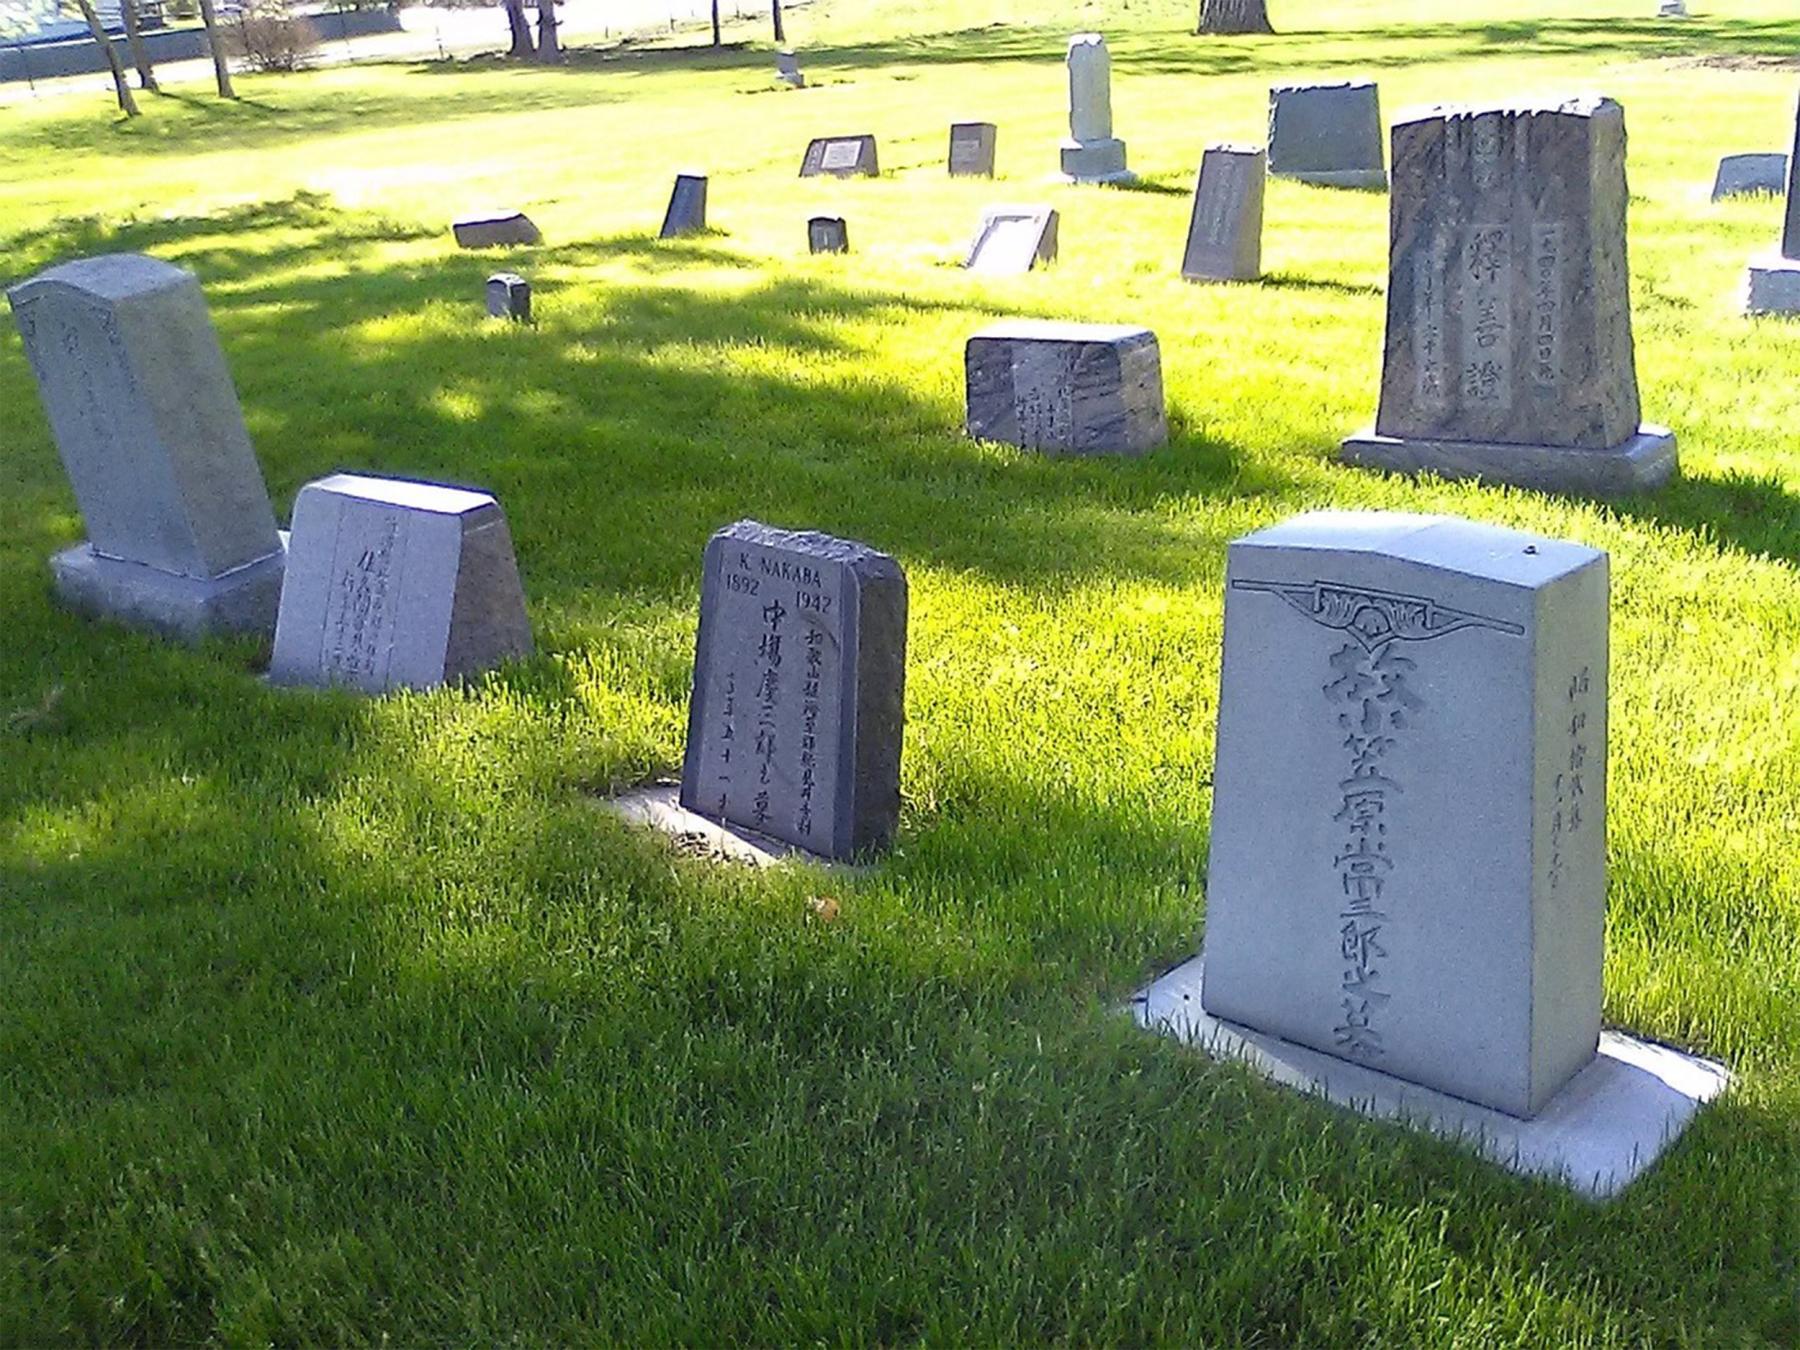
<point x="509" y="297"/>
<point x="787" y="70"/>
<point x="828" y="234"/>
<point x="972" y="149"/>
<point x="1011" y="240"/>
<point x="397" y="584"/>
<point x="181" y="539"/>
<point x="1509" y="352"/>
<point x="799" y="688"/>
<point x="496" y="230"/>
<point x="1327" y="133"/>
<point x="1790" y="227"/>
<point x="1224" y="240"/>
<point x="1746" y="175"/>
<point x="1775" y="277"/>
<point x="840" y="156"/>
<point x="687" y="207"/>
<point x="1068" y="388"/>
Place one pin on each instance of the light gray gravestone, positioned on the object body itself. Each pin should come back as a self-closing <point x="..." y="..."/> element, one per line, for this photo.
<point x="799" y="690"/>
<point x="1066" y="388"/>
<point x="1092" y="154"/>
<point x="1509" y="353"/>
<point x="509" y="297"/>
<point x="181" y="538"/>
<point x="1224" y="240"/>
<point x="397" y="584"/>
<point x="1775" y="277"/>
<point x="1408" y="857"/>
<point x="1748" y="174"/>
<point x="1672" y="9"/>
<point x="496" y="229"/>
<point x="787" y="70"/>
<point x="1011" y="240"/>
<point x="840" y="157"/>
<point x="687" y="207"/>
<point x="828" y="234"/>
<point x="1328" y="134"/>
<point x="972" y="149"/>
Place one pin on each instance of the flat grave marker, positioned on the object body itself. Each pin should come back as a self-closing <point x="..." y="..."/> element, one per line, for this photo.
<point x="1012" y="240"/>
<point x="840" y="157"/>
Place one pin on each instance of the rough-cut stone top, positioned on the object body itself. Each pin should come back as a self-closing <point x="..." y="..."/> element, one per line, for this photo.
<point x="866" y="562"/>
<point x="437" y="498"/>
<point x="1062" y="330"/>
<point x="110" y="276"/>
<point x="1570" y="105"/>
<point x="1304" y="86"/>
<point x="1470" y="547"/>
<point x="1235" y="148"/>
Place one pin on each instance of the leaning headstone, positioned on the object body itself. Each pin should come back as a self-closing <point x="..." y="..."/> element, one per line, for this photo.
<point x="181" y="538"/>
<point x="828" y="234"/>
<point x="1066" y="388"/>
<point x="496" y="230"/>
<point x="972" y="149"/>
<point x="1011" y="240"/>
<point x="1224" y="240"/>
<point x="841" y="157"/>
<point x="687" y="207"/>
<point x="1775" y="277"/>
<point x="787" y="70"/>
<point x="799" y="682"/>
<point x="1328" y="134"/>
<point x="509" y="297"/>
<point x="397" y="584"/>
<point x="1092" y="154"/>
<point x="1509" y="353"/>
<point x="1744" y="175"/>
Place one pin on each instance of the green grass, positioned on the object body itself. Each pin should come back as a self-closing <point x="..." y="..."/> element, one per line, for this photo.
<point x="328" y="1020"/>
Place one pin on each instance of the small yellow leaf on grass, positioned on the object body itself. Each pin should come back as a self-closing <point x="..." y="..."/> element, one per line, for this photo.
<point x="824" y="907"/>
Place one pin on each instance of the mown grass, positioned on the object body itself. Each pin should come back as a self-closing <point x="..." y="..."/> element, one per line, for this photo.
<point x="340" y="1020"/>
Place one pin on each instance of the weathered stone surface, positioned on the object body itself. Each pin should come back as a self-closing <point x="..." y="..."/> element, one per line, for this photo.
<point x="397" y="584"/>
<point x="1509" y="305"/>
<point x="787" y="70"/>
<point x="1744" y="175"/>
<point x="1071" y="388"/>
<point x="1011" y="240"/>
<point x="687" y="207"/>
<point x="509" y="297"/>
<point x="972" y="149"/>
<point x="828" y="234"/>
<point x="1408" y="858"/>
<point x="1224" y="240"/>
<point x="841" y="157"/>
<point x="1328" y="134"/>
<point x="181" y="538"/>
<point x="496" y="230"/>
<point x="1092" y="154"/>
<point x="794" y="730"/>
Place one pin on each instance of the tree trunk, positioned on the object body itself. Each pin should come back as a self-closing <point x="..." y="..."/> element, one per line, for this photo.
<point x="127" y="104"/>
<point x="216" y="43"/>
<point x="718" y="38"/>
<point x="140" y="55"/>
<point x="780" y="33"/>
<point x="1234" y="16"/>
<point x="521" y="30"/>
<point x="548" y="52"/>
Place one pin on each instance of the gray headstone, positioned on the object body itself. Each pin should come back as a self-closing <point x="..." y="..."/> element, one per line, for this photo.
<point x="397" y="584"/>
<point x="787" y="69"/>
<point x="1672" y="9"/>
<point x="1011" y="240"/>
<point x="1068" y="388"/>
<point x="1743" y="175"/>
<point x="972" y="149"/>
<point x="181" y="538"/>
<point x="1327" y="133"/>
<point x="509" y="297"/>
<point x="1774" y="283"/>
<point x="799" y="690"/>
<point x="1092" y="154"/>
<point x="1790" y="225"/>
<point x="1408" y="857"/>
<point x="1509" y="352"/>
<point x="1224" y="240"/>
<point x="496" y="230"/>
<point x="841" y="157"/>
<point x="828" y="234"/>
<point x="687" y="207"/>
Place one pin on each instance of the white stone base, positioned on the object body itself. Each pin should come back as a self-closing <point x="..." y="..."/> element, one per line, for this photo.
<point x="659" y="808"/>
<point x="1596" y="1136"/>
<point x="185" y="608"/>
<point x="1367" y="180"/>
<point x="1646" y="460"/>
<point x="1774" y="285"/>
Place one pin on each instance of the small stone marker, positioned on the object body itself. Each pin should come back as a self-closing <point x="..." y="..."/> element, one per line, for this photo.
<point x="496" y="230"/>
<point x="687" y="207"/>
<point x="799" y="682"/>
<point x="397" y="584"/>
<point x="828" y="234"/>
<point x="1070" y="388"/>
<point x="1775" y="277"/>
<point x="509" y="297"/>
<point x="1011" y="240"/>
<point x="841" y="157"/>
<point x="972" y="149"/>
<point x="787" y="70"/>
<point x="1509" y="353"/>
<point x="1745" y="175"/>
<point x="181" y="538"/>
<point x="1092" y="154"/>
<point x="1224" y="240"/>
<point x="1328" y="134"/>
<point x="1672" y="9"/>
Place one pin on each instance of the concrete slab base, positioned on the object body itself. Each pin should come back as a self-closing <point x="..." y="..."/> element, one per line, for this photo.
<point x="187" y="609"/>
<point x="659" y="808"/>
<point x="1596" y="1136"/>
<point x="1366" y="180"/>
<point x="1646" y="460"/>
<point x="1774" y="285"/>
<point x="1095" y="162"/>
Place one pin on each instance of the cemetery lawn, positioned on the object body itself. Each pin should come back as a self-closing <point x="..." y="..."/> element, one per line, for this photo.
<point x="325" y="1019"/>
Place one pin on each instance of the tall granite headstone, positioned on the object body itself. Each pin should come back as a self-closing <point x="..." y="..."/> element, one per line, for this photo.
<point x="495" y="229"/>
<point x="687" y="207"/>
<point x="1092" y="154"/>
<point x="1066" y="388"/>
<point x="509" y="297"/>
<point x="1775" y="277"/>
<point x="181" y="538"/>
<point x="397" y="584"/>
<point x="1509" y="353"/>
<point x="1408" y="858"/>
<point x="1224" y="241"/>
<point x="1011" y="240"/>
<point x="799" y="689"/>
<point x="840" y="157"/>
<point x="972" y="149"/>
<point x="1328" y="134"/>
<point x="828" y="234"/>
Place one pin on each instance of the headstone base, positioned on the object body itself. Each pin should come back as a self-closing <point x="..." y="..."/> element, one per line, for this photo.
<point x="1095" y="162"/>
<point x="1597" y="1135"/>
<point x="1368" y="180"/>
<point x="1774" y="286"/>
<point x="1647" y="460"/>
<point x="244" y="600"/>
<point x="659" y="808"/>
